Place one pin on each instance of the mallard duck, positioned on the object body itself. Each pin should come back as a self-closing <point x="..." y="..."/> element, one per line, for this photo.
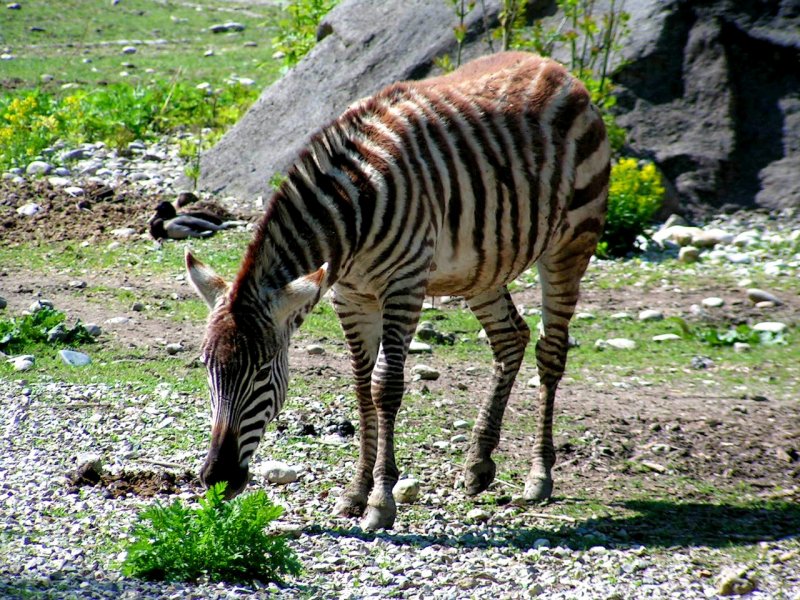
<point x="183" y="227"/>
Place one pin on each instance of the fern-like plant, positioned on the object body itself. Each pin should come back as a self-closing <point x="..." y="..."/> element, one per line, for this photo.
<point x="221" y="540"/>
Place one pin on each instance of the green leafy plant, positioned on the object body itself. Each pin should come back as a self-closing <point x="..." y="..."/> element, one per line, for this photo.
<point x="634" y="197"/>
<point x="297" y="32"/>
<point x="18" y="333"/>
<point x="224" y="541"/>
<point x="742" y="333"/>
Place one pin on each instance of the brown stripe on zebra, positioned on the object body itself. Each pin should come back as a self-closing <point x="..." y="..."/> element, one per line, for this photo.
<point x="453" y="185"/>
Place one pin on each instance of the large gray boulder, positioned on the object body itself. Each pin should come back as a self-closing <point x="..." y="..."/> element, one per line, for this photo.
<point x="367" y="45"/>
<point x="709" y="89"/>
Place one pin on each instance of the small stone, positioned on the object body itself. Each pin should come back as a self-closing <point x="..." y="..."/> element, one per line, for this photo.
<point x="74" y="190"/>
<point x="651" y="315"/>
<point x="56" y="334"/>
<point x="315" y="349"/>
<point x="123" y="232"/>
<point x="406" y="490"/>
<point x="478" y="515"/>
<point x="425" y="373"/>
<point x="534" y="382"/>
<point x="419" y="348"/>
<point x="3" y="303"/>
<point x="458" y="439"/>
<point x="277" y="472"/>
<point x="38" y="167"/>
<point x="75" y="154"/>
<point x="712" y="302"/>
<point x="208" y="53"/>
<point x="174" y="348"/>
<point x="585" y="316"/>
<point x="674" y="220"/>
<point x="460" y="424"/>
<point x="788" y="456"/>
<point x="770" y="327"/>
<point x="735" y="581"/>
<point x="117" y="321"/>
<point x="14" y="6"/>
<point x="22" y="363"/>
<point x="93" y="329"/>
<point x="756" y="295"/>
<point x="129" y="50"/>
<point x="542" y="543"/>
<point x="666" y="337"/>
<point x="708" y="238"/>
<point x="40" y="304"/>
<point x="765" y="304"/>
<point x="701" y="362"/>
<point x="137" y="306"/>
<point x="738" y="258"/>
<point x="621" y="316"/>
<point x="688" y="254"/>
<point x="677" y="234"/>
<point x="621" y="344"/>
<point x="77" y="284"/>
<point x="741" y="347"/>
<point x="28" y="210"/>
<point x="74" y="359"/>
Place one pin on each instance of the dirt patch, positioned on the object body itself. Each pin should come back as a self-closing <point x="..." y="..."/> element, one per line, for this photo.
<point x="140" y="483"/>
<point x="62" y="216"/>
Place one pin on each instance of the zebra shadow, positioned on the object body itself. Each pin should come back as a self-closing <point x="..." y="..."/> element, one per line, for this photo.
<point x="649" y="523"/>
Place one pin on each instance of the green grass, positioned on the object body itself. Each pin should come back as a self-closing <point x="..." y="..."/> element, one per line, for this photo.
<point x="86" y="48"/>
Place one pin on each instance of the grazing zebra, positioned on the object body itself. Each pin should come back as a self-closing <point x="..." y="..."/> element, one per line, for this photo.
<point x="448" y="186"/>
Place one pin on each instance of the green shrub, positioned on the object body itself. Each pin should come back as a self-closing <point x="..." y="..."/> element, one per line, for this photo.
<point x="634" y="197"/>
<point x="17" y="334"/>
<point x="297" y="32"/>
<point x="224" y="541"/>
<point x="742" y="333"/>
<point x="116" y="114"/>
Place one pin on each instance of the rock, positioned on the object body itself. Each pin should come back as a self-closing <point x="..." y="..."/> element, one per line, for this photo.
<point x="74" y="359"/>
<point x="14" y="6"/>
<point x="344" y="428"/>
<point x="741" y="347"/>
<point x="701" y="362"/>
<point x="123" y="232"/>
<point x="137" y="306"/>
<point x="3" y="303"/>
<point x="74" y="190"/>
<point x="770" y="327"/>
<point x="756" y="295"/>
<point x="117" y="321"/>
<point x="129" y="50"/>
<point x="621" y="316"/>
<point x="458" y="439"/>
<point x="585" y="316"/>
<point x="74" y="154"/>
<point x="542" y="543"/>
<point x="478" y="515"/>
<point x="616" y="343"/>
<point x="666" y="337"/>
<point x="24" y="362"/>
<point x="534" y="382"/>
<point x="708" y="238"/>
<point x="406" y="490"/>
<point x="56" y="334"/>
<point x="738" y="258"/>
<point x="673" y="220"/>
<point x="277" y="472"/>
<point x="789" y="456"/>
<point x="93" y="329"/>
<point x="315" y="349"/>
<point x="424" y="372"/>
<point x="38" y="167"/>
<point x="460" y="424"/>
<point x="735" y="581"/>
<point x="419" y="348"/>
<point x="29" y="209"/>
<point x="651" y="315"/>
<point x="712" y="302"/>
<point x="677" y="234"/>
<point x="369" y="46"/>
<point x="226" y="27"/>
<point x="40" y="304"/>
<point x="688" y="254"/>
<point x="174" y="348"/>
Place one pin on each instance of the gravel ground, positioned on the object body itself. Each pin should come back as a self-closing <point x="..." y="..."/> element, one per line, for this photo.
<point x="58" y="543"/>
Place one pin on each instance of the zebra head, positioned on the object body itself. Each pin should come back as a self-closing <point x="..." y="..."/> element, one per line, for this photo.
<point x="245" y="352"/>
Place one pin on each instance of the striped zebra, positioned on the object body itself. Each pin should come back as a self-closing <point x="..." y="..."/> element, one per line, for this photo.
<point x="448" y="186"/>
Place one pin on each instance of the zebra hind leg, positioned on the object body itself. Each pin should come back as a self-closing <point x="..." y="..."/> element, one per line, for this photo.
<point x="361" y="322"/>
<point x="560" y="272"/>
<point x="508" y="335"/>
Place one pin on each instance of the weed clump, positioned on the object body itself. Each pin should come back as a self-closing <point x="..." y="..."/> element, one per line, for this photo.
<point x="43" y="326"/>
<point x="224" y="541"/>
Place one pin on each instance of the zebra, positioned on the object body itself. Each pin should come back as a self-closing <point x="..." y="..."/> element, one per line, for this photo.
<point x="452" y="185"/>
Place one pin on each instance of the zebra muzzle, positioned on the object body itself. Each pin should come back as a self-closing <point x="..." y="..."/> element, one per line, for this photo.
<point x="222" y="463"/>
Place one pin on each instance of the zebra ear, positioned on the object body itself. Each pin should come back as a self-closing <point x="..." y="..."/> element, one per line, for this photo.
<point x="208" y="284"/>
<point x="302" y="293"/>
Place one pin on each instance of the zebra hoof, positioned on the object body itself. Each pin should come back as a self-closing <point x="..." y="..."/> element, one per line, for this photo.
<point x="538" y="489"/>
<point x="378" y="518"/>
<point x="479" y="475"/>
<point x="348" y="506"/>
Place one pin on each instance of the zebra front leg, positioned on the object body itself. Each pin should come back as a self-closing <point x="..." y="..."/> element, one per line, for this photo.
<point x="508" y="335"/>
<point x="399" y="322"/>
<point x="361" y="322"/>
<point x="560" y="273"/>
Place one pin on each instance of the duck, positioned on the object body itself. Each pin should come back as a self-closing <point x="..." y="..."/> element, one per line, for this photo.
<point x="166" y="211"/>
<point x="183" y="227"/>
